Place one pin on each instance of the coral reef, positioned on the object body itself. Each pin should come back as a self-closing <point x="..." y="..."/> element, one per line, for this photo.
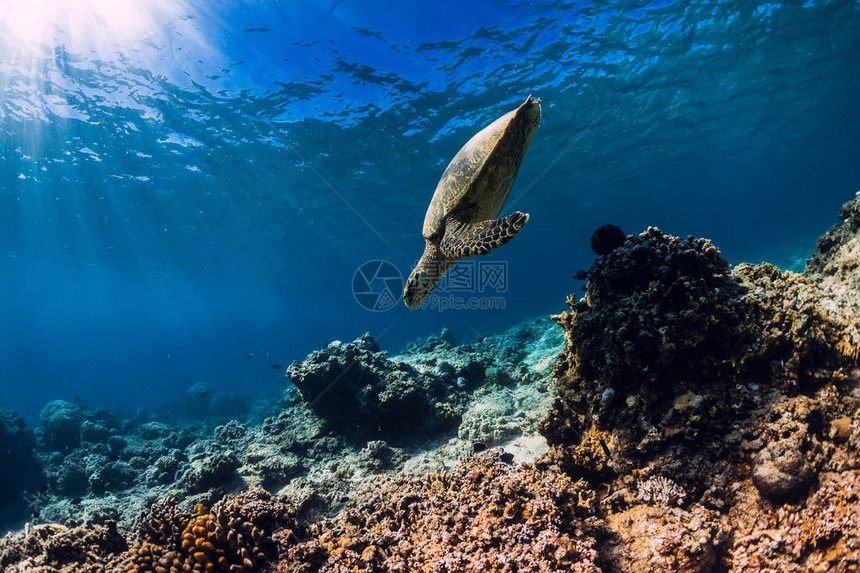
<point x="131" y="471"/>
<point x="117" y="468"/>
<point x="697" y="418"/>
<point x="236" y="536"/>
<point x="53" y="548"/>
<point x="22" y="471"/>
<point x="59" y="425"/>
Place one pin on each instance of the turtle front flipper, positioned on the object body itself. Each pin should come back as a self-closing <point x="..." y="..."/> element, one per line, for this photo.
<point x="430" y="268"/>
<point x="463" y="241"/>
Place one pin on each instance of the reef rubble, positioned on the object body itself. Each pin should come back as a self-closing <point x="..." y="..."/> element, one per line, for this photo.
<point x="686" y="416"/>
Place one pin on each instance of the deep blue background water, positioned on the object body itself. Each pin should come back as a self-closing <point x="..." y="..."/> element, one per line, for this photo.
<point x="196" y="181"/>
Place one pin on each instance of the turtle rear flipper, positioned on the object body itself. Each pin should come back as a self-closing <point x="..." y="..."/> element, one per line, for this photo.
<point x="482" y="238"/>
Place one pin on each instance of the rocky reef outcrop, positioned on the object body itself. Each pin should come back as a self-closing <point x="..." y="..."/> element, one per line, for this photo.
<point x="360" y="391"/>
<point x="835" y="270"/>
<point x="670" y="346"/>
<point x="736" y="389"/>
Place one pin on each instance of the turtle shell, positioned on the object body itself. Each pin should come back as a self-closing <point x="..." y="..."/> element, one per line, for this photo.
<point x="478" y="180"/>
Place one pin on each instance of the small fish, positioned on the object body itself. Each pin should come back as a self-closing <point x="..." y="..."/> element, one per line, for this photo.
<point x="605" y="449"/>
<point x="506" y="458"/>
<point x="581" y="275"/>
<point x="336" y="509"/>
<point x="249" y="355"/>
<point x="478" y="447"/>
<point x="277" y="366"/>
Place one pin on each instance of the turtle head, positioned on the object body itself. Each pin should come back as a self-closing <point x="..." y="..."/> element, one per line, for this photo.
<point x="425" y="276"/>
<point x="531" y="110"/>
<point x="418" y="286"/>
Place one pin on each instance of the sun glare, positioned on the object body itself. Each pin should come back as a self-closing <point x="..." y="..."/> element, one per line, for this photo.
<point x="92" y="27"/>
<point x="48" y="48"/>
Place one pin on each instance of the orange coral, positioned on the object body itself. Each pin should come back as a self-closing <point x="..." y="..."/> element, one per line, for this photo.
<point x="204" y="541"/>
<point x="232" y="537"/>
<point x="146" y="557"/>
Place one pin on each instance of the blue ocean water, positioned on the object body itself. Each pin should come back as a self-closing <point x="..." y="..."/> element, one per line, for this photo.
<point x="188" y="188"/>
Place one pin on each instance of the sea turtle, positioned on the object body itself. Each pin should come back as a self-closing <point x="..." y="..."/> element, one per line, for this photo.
<point x="461" y="219"/>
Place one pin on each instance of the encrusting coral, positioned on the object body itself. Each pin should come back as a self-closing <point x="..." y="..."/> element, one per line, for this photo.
<point x="51" y="548"/>
<point x="485" y="515"/>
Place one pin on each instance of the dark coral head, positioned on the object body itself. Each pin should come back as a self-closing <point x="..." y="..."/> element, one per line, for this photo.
<point x="606" y="239"/>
